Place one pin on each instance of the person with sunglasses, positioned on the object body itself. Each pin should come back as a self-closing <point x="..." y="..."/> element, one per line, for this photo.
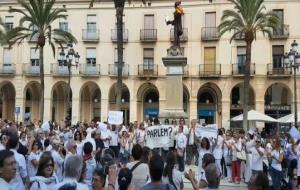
<point x="45" y="178"/>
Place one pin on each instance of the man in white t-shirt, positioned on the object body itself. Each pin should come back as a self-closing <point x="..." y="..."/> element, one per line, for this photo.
<point x="257" y="157"/>
<point x="114" y="139"/>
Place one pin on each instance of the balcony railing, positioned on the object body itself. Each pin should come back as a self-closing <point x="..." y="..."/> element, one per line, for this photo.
<point x="210" y="34"/>
<point x="239" y="69"/>
<point x="89" y="35"/>
<point x="186" y="71"/>
<point x="278" y="71"/>
<point x="282" y="32"/>
<point x="88" y="70"/>
<point x="210" y="70"/>
<point x="114" y="36"/>
<point x="7" y="69"/>
<point x="113" y="70"/>
<point x="183" y="37"/>
<point x="59" y="70"/>
<point x="30" y="70"/>
<point x="148" y="70"/>
<point x="148" y="35"/>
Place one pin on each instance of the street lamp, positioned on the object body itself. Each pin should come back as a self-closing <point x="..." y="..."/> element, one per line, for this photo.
<point x="292" y="60"/>
<point x="68" y="59"/>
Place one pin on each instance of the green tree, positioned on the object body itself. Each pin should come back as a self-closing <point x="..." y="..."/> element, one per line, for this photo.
<point x="247" y="19"/>
<point x="36" y="20"/>
<point x="119" y="6"/>
<point x="2" y="32"/>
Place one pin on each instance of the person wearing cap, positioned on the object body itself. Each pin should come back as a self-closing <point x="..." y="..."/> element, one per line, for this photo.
<point x="257" y="157"/>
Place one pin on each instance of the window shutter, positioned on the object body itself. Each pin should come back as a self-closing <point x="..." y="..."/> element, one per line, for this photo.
<point x="91" y="53"/>
<point x="7" y="56"/>
<point x="34" y="53"/>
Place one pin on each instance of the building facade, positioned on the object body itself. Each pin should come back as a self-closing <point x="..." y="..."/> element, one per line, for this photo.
<point x="212" y="79"/>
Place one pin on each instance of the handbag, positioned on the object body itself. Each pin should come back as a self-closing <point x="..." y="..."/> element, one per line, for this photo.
<point x="241" y="155"/>
<point x="228" y="158"/>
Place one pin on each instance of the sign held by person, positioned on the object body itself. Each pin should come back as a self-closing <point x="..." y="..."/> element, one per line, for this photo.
<point x="208" y="131"/>
<point x="115" y="117"/>
<point x="159" y="136"/>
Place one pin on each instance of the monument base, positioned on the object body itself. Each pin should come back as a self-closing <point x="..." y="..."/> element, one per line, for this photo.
<point x="172" y="114"/>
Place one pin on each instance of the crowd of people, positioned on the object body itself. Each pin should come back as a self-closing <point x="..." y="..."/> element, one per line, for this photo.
<point x="96" y="156"/>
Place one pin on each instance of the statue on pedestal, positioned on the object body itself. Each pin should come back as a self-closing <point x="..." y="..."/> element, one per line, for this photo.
<point x="177" y="23"/>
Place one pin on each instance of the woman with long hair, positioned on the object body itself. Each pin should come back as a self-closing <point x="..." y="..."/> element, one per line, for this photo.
<point x="33" y="158"/>
<point x="45" y="178"/>
<point x="171" y="175"/>
<point x="78" y="141"/>
<point x="276" y="170"/>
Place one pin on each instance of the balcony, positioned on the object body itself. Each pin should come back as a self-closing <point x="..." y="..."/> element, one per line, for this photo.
<point x="210" y="34"/>
<point x="278" y="71"/>
<point x="183" y="37"/>
<point x="89" y="35"/>
<point x="114" y="36"/>
<point x="59" y="70"/>
<point x="186" y="71"/>
<point x="30" y="70"/>
<point x="148" y="71"/>
<point x="281" y="33"/>
<point x="7" y="69"/>
<point x="238" y="69"/>
<point x="113" y="70"/>
<point x="148" y="35"/>
<point x="210" y="70"/>
<point x="88" y="70"/>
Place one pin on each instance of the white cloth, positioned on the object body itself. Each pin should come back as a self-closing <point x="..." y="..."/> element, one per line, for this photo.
<point x="140" y="174"/>
<point x="218" y="151"/>
<point x="58" y="160"/>
<point x="104" y="135"/>
<point x="201" y="152"/>
<point x="177" y="178"/>
<point x="191" y="136"/>
<point x="90" y="167"/>
<point x="31" y="168"/>
<point x="79" y="148"/>
<point x="181" y="141"/>
<point x="114" y="138"/>
<point x="17" y="182"/>
<point x="275" y="164"/>
<point x="42" y="183"/>
<point x="4" y="185"/>
<point x="257" y="159"/>
<point x="80" y="186"/>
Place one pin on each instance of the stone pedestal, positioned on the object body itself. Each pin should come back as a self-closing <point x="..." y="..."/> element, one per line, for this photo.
<point x="174" y="62"/>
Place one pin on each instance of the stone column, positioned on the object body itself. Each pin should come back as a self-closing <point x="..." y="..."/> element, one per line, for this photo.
<point x="133" y="110"/>
<point x="260" y="107"/>
<point x="225" y="113"/>
<point x="104" y="108"/>
<point x="193" y="108"/>
<point x="175" y="62"/>
<point x="75" y="109"/>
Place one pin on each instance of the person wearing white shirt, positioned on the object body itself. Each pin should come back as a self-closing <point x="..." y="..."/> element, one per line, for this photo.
<point x="33" y="158"/>
<point x="21" y="176"/>
<point x="276" y="170"/>
<point x="8" y="169"/>
<point x="58" y="158"/>
<point x="236" y="146"/>
<point x="218" y="149"/>
<point x="79" y="144"/>
<point x="257" y="157"/>
<point x="140" y="135"/>
<point x="250" y="144"/>
<point x="191" y="148"/>
<point x="114" y="139"/>
<point x="181" y="141"/>
<point x="73" y="168"/>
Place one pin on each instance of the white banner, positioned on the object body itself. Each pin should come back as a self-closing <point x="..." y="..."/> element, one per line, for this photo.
<point x="159" y="136"/>
<point x="206" y="131"/>
<point x="294" y="133"/>
<point x="115" y="117"/>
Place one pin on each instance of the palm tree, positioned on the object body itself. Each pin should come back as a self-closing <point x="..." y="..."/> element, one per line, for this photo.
<point x="2" y="32"/>
<point x="119" y="6"/>
<point x="248" y="18"/>
<point x="39" y="15"/>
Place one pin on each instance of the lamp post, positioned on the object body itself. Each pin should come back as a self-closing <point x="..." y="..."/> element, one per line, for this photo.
<point x="292" y="60"/>
<point x="68" y="59"/>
